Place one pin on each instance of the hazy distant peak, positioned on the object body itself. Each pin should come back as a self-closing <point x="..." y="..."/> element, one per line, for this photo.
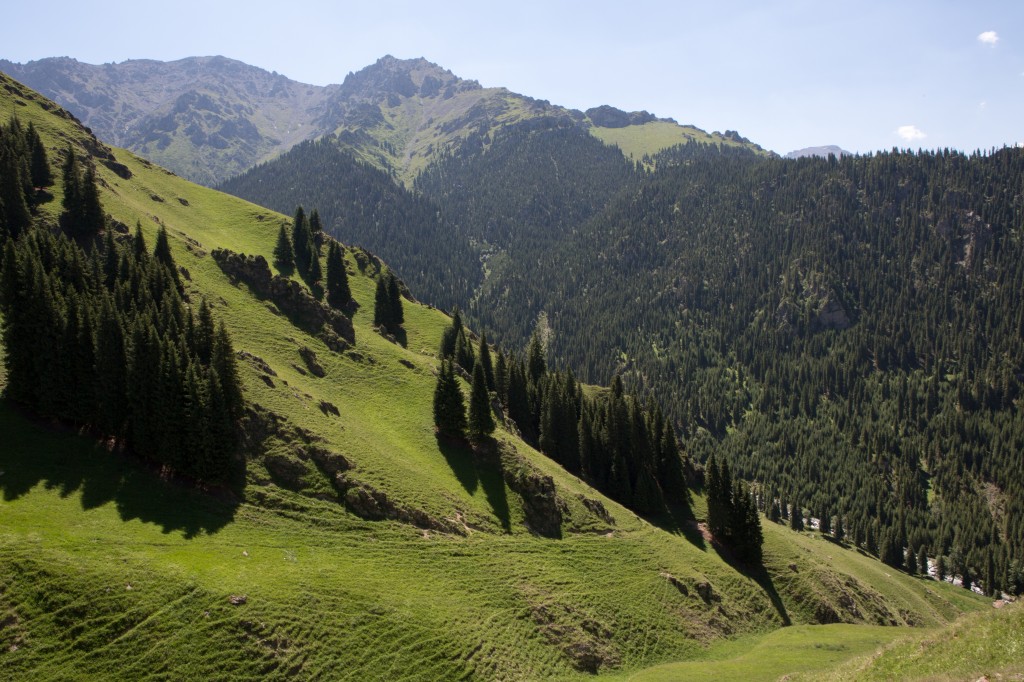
<point x="819" y="151"/>
<point x="405" y="77"/>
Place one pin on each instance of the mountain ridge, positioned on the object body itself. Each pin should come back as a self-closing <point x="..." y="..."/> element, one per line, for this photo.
<point x="209" y="118"/>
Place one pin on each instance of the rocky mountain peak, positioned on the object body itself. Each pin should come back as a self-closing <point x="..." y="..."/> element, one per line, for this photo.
<point x="390" y="76"/>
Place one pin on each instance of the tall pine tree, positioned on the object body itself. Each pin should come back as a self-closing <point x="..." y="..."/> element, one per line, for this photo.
<point x="449" y="404"/>
<point x="481" y="423"/>
<point x="339" y="295"/>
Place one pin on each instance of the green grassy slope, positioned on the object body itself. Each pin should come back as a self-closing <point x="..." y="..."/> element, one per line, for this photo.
<point x="106" y="570"/>
<point x="637" y="141"/>
<point x="978" y="646"/>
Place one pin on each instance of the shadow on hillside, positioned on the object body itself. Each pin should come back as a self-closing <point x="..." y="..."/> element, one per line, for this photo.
<point x="462" y="462"/>
<point x="679" y="519"/>
<point x="493" y="481"/>
<point x="35" y="453"/>
<point x="475" y="470"/>
<point x="758" y="574"/>
<point x="401" y="337"/>
<point x="761" y="576"/>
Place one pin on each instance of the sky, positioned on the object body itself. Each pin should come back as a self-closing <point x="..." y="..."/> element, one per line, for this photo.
<point x="787" y="74"/>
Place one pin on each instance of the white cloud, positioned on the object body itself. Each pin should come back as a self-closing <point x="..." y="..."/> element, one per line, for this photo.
<point x="989" y="38"/>
<point x="983" y="105"/>
<point x="910" y="133"/>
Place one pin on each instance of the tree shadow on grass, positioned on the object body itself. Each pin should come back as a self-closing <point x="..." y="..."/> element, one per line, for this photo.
<point x="50" y="454"/>
<point x="679" y="519"/>
<point x="462" y="462"/>
<point x="479" y="469"/>
<point x="493" y="482"/>
<point x="759" y="574"/>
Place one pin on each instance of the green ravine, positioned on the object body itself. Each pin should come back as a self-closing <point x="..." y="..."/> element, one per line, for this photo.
<point x="107" y="571"/>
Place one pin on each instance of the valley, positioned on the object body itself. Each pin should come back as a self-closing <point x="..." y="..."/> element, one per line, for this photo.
<point x="360" y="545"/>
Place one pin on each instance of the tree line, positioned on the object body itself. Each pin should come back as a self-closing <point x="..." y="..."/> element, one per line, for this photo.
<point x="623" y="447"/>
<point x="97" y="332"/>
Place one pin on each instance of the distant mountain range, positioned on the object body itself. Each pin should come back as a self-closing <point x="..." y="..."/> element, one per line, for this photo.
<point x="210" y="118"/>
<point x="819" y="151"/>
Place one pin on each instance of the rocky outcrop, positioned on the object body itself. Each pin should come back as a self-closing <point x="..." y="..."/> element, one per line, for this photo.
<point x="543" y="508"/>
<point x="582" y="638"/>
<point x="290" y="297"/>
<point x="597" y="508"/>
<point x="369" y="503"/>
<point x="287" y="472"/>
<point x="707" y="592"/>
<point x="606" y="116"/>
<point x="312" y="362"/>
<point x="259" y="424"/>
<point x="253" y="270"/>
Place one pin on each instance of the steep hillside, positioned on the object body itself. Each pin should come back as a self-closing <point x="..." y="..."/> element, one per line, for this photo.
<point x="362" y="205"/>
<point x="845" y="329"/>
<point x="848" y="331"/>
<point x="360" y="546"/>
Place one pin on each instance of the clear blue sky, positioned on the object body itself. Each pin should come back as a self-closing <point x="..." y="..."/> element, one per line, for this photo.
<point x="785" y="73"/>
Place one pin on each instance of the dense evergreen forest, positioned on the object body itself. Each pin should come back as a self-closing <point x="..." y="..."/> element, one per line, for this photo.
<point x="361" y="205"/>
<point x="97" y="331"/>
<point x="620" y="446"/>
<point x="845" y="333"/>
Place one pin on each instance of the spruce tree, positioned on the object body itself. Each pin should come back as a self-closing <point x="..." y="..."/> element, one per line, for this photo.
<point x="302" y="242"/>
<point x="387" y="303"/>
<point x="501" y="378"/>
<point x="16" y="214"/>
<point x="670" y="463"/>
<point x="450" y="335"/>
<point x="536" y="361"/>
<point x="284" y="255"/>
<point x="518" y="397"/>
<point x="162" y="255"/>
<point x="397" y="314"/>
<point x="204" y="333"/>
<point x="484" y="358"/>
<point x="825" y="523"/>
<point x="92" y="219"/>
<point x="464" y="356"/>
<point x="223" y="362"/>
<point x="316" y="228"/>
<point x="139" y="244"/>
<point x="449" y="404"/>
<point x="481" y="423"/>
<point x="315" y="275"/>
<point x="713" y="492"/>
<point x="753" y="535"/>
<point x="796" y="517"/>
<point x="382" y="306"/>
<point x="39" y="163"/>
<point x="339" y="296"/>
